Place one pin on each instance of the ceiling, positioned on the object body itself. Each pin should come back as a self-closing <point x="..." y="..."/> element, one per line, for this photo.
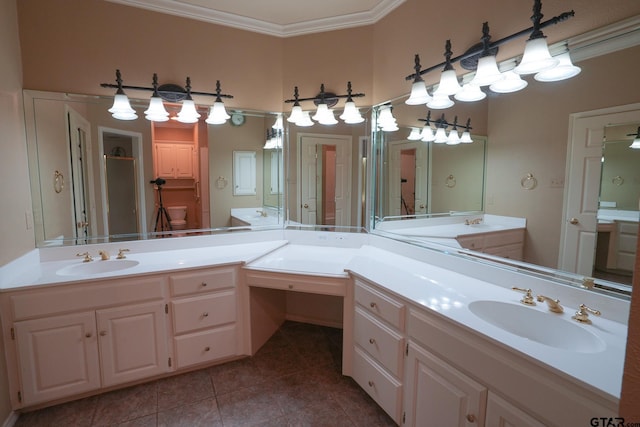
<point x="281" y="18"/>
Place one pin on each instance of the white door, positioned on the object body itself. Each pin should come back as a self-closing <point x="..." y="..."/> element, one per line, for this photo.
<point x="310" y="147"/>
<point x="81" y="175"/>
<point x="584" y="157"/>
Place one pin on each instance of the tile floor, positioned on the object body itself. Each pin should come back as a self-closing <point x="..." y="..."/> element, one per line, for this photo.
<point x="294" y="380"/>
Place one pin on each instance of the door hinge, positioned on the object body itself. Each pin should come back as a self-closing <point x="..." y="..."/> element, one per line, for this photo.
<point x="166" y="308"/>
<point x="13" y="334"/>
<point x="404" y="417"/>
<point x="169" y="362"/>
<point x="406" y="350"/>
<point x="20" y="396"/>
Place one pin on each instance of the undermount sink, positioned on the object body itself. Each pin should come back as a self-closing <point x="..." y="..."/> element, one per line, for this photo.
<point x="96" y="267"/>
<point x="542" y="327"/>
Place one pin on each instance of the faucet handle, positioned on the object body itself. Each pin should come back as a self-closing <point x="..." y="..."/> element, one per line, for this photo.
<point x="87" y="257"/>
<point x="527" y="299"/>
<point x="553" y="304"/>
<point x="582" y="315"/>
<point x="121" y="253"/>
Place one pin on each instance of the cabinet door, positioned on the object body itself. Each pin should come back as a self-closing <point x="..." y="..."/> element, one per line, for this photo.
<point x="133" y="342"/>
<point x="438" y="395"/>
<point x="165" y="161"/>
<point x="58" y="356"/>
<point x="184" y="160"/>
<point x="501" y="413"/>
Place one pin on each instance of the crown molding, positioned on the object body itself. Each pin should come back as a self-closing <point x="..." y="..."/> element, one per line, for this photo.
<point x="199" y="13"/>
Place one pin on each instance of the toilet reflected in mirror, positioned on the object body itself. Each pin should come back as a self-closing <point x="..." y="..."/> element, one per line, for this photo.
<point x="177" y="217"/>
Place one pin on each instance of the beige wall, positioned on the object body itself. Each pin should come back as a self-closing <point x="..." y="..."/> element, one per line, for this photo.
<point x="15" y="194"/>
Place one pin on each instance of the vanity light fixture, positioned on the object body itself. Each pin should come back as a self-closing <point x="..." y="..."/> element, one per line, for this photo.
<point x="385" y="120"/>
<point x="324" y="101"/>
<point x="636" y="141"/>
<point x="274" y="139"/>
<point x="481" y="59"/>
<point x="156" y="111"/>
<point x="440" y="135"/>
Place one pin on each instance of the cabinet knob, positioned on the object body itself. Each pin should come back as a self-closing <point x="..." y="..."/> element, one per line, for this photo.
<point x="103" y="333"/>
<point x="204" y="284"/>
<point x="88" y="335"/>
<point x="290" y="286"/>
<point x="207" y="348"/>
<point x="372" y="305"/>
<point x="370" y="383"/>
<point x="471" y="418"/>
<point x="205" y="314"/>
<point x="372" y="341"/>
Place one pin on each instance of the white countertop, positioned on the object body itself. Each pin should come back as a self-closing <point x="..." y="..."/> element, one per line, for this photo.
<point x="451" y="227"/>
<point x="254" y="218"/>
<point x="442" y="291"/>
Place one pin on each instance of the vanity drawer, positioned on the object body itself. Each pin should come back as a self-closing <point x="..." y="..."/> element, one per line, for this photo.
<point x="205" y="346"/>
<point x="382" y="387"/>
<point x="201" y="312"/>
<point x="475" y="243"/>
<point x="502" y="238"/>
<point x="202" y="281"/>
<point x="379" y="304"/>
<point x="385" y="345"/>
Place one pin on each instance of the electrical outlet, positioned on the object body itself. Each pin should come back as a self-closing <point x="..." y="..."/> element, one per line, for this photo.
<point x="556" y="182"/>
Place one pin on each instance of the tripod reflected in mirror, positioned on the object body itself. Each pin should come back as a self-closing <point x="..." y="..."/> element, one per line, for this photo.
<point x="163" y="220"/>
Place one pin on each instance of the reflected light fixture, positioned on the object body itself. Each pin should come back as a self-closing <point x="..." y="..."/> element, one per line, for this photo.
<point x="481" y="58"/>
<point x="636" y="141"/>
<point x="156" y="112"/>
<point x="386" y="122"/>
<point x="440" y="136"/>
<point x="324" y="101"/>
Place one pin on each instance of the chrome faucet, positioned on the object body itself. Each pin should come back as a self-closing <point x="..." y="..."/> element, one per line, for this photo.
<point x="87" y="257"/>
<point x="553" y="304"/>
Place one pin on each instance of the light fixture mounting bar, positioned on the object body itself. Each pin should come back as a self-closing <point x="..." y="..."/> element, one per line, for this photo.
<point x="327" y="97"/>
<point x="177" y="91"/>
<point x="478" y="50"/>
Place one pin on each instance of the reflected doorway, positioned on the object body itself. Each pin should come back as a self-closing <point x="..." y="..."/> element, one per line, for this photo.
<point x="122" y="183"/>
<point x="325" y="179"/>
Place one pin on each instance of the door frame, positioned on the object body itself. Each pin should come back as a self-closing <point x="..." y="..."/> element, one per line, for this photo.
<point x="137" y="153"/>
<point x="578" y="240"/>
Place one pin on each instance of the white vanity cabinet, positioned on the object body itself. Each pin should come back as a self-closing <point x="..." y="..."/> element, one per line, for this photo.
<point x="379" y="345"/>
<point x="75" y="338"/>
<point x="505" y="244"/>
<point x="204" y="311"/>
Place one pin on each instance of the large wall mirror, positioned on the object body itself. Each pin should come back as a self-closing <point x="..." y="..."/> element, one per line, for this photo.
<point x="523" y="172"/>
<point x="96" y="179"/>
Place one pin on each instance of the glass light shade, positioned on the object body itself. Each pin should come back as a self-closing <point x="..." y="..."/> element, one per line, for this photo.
<point x="448" y="84"/>
<point x="188" y="113"/>
<point x="536" y="57"/>
<point x="325" y="117"/>
<point x="391" y="127"/>
<point x="564" y="70"/>
<point x="512" y="82"/>
<point x="487" y="72"/>
<point x="121" y="108"/>
<point x="278" y="125"/>
<point x="419" y="94"/>
<point x="305" y="120"/>
<point x="453" y="138"/>
<point x="351" y="114"/>
<point x="635" y="144"/>
<point x="321" y="111"/>
<point x="217" y="114"/>
<point x="385" y="118"/>
<point x="427" y="134"/>
<point x="440" y="101"/>
<point x="414" y="135"/>
<point x="466" y="137"/>
<point x="296" y="114"/>
<point x="441" y="136"/>
<point x="156" y="111"/>
<point x="470" y="93"/>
